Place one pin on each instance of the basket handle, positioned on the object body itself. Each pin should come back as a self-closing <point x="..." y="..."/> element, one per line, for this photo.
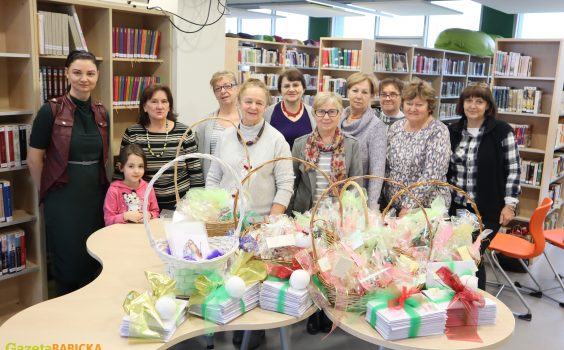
<point x="181" y="159"/>
<point x="353" y="178"/>
<point x="441" y="184"/>
<point x="360" y="191"/>
<point x="179" y="146"/>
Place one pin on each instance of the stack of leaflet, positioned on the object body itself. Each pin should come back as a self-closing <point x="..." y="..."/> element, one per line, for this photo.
<point x="456" y="313"/>
<point x="224" y="311"/>
<point x="280" y="297"/>
<point x="421" y="319"/>
<point x="168" y="326"/>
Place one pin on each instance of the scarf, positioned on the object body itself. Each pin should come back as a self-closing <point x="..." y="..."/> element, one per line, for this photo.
<point x="314" y="147"/>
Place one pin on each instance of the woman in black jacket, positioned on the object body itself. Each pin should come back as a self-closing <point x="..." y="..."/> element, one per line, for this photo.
<point x="485" y="162"/>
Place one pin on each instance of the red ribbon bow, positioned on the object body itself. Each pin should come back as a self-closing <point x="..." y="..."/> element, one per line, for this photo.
<point x="399" y="302"/>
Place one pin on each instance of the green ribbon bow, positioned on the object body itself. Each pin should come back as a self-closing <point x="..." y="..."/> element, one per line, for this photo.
<point x="382" y="301"/>
<point x="281" y="302"/>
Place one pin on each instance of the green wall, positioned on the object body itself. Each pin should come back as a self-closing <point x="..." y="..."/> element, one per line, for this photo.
<point x="319" y="27"/>
<point x="497" y="22"/>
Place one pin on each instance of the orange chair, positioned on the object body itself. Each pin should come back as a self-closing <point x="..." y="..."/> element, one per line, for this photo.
<point x="520" y="249"/>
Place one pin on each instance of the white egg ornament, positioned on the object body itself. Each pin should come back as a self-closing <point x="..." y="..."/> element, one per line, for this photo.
<point x="303" y="240"/>
<point x="166" y="307"/>
<point x="299" y="279"/>
<point x="470" y="281"/>
<point x="235" y="287"/>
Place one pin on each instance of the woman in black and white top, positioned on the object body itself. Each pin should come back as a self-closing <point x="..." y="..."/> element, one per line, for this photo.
<point x="158" y="133"/>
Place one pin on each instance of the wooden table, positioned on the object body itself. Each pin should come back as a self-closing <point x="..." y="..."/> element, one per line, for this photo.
<point x="493" y="336"/>
<point x="92" y="315"/>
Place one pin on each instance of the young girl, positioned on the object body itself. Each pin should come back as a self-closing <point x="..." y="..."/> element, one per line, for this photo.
<point x="124" y="200"/>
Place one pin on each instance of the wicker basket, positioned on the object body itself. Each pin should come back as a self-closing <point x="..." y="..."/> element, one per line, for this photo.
<point x="214" y="228"/>
<point x="353" y="297"/>
<point x="185" y="271"/>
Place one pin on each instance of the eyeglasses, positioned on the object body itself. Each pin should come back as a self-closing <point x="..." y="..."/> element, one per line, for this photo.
<point x="320" y="113"/>
<point x="227" y="87"/>
<point x="392" y="96"/>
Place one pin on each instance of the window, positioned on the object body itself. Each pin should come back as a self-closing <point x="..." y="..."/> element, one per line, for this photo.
<point x="257" y="26"/>
<point x="541" y="25"/>
<point x="231" y="24"/>
<point x="358" y="27"/>
<point x="293" y="26"/>
<point x="469" y="19"/>
<point x="411" y="26"/>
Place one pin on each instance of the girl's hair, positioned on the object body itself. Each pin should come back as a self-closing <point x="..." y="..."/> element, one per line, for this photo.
<point x="250" y="83"/>
<point x="128" y="150"/>
<point x="421" y="89"/>
<point x="322" y="98"/>
<point x="357" y="78"/>
<point x="80" y="55"/>
<point x="291" y="74"/>
<point x="217" y="76"/>
<point x="147" y="95"/>
<point x="481" y="90"/>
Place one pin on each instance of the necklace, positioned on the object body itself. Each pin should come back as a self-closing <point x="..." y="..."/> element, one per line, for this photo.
<point x="289" y="114"/>
<point x="250" y="143"/>
<point x="156" y="155"/>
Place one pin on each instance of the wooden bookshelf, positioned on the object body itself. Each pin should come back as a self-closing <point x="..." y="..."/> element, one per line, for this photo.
<point x="547" y="73"/>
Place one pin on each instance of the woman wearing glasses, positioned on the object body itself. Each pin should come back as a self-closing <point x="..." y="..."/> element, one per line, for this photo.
<point x="484" y="163"/>
<point x="225" y="89"/>
<point x="360" y="121"/>
<point x="418" y="149"/>
<point x="390" y="100"/>
<point x="338" y="155"/>
<point x="291" y="116"/>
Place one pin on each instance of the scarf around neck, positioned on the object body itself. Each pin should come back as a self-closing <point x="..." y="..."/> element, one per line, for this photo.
<point x="314" y="147"/>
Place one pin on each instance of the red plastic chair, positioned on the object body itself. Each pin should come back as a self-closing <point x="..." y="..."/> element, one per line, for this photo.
<point x="520" y="249"/>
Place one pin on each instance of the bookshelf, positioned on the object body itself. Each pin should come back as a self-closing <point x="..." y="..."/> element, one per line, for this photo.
<point x="17" y="106"/>
<point x="20" y="63"/>
<point x="546" y="74"/>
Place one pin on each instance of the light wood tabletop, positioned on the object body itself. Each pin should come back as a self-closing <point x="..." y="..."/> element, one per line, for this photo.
<point x="92" y="315"/>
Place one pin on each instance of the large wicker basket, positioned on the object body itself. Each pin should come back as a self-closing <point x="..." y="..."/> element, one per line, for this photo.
<point x="185" y="271"/>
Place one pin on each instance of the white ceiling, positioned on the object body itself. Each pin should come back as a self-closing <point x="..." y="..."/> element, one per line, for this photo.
<point x="311" y="10"/>
<point x="409" y="7"/>
<point x="524" y="6"/>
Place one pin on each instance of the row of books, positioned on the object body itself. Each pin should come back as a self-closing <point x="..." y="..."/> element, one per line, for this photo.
<point x="338" y="85"/>
<point x="295" y="58"/>
<point x="12" y="250"/>
<point x="52" y="82"/>
<point x="390" y="62"/>
<point x="13" y="144"/>
<point x="525" y="100"/>
<point x="557" y="165"/>
<point x="447" y="110"/>
<point x="335" y="57"/>
<point x="451" y="88"/>
<point x="135" y="43"/>
<point x="555" y="193"/>
<point x="523" y="134"/>
<point x="560" y="136"/>
<point x="478" y="68"/>
<point x="128" y="89"/>
<point x="426" y="65"/>
<point x="455" y="67"/>
<point x="60" y="32"/>
<point x="531" y="172"/>
<point x="259" y="55"/>
<point x="512" y="64"/>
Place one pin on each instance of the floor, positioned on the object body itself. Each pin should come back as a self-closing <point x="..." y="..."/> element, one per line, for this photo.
<point x="545" y="331"/>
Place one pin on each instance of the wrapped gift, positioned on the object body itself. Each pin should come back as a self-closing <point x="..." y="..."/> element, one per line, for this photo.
<point x="278" y="295"/>
<point x="460" y="268"/>
<point x="165" y="329"/>
<point x="442" y="297"/>
<point x="408" y="316"/>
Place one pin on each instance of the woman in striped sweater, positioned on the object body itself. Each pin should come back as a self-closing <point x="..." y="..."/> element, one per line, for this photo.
<point x="158" y="133"/>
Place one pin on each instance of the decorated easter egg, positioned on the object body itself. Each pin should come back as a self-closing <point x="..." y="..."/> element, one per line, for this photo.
<point x="235" y="287"/>
<point x="299" y="279"/>
<point x="303" y="240"/>
<point x="470" y="281"/>
<point x="166" y="307"/>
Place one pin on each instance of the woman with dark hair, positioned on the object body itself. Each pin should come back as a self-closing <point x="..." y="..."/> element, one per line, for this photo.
<point x="484" y="163"/>
<point x="158" y="133"/>
<point x="291" y="116"/>
<point x="67" y="160"/>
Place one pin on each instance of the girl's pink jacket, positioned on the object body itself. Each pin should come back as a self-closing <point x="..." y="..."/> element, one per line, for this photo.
<point x="121" y="198"/>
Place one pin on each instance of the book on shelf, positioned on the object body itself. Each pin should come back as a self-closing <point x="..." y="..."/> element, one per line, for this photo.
<point x="451" y="88"/>
<point x="13" y="144"/>
<point x="531" y="172"/>
<point x="555" y="193"/>
<point x="525" y="100"/>
<point x="559" y="136"/>
<point x="453" y="67"/>
<point x="7" y="200"/>
<point x="557" y="165"/>
<point x="390" y="62"/>
<point x="477" y="68"/>
<point x="335" y="57"/>
<point x="259" y="55"/>
<point x="269" y="79"/>
<point x="425" y="65"/>
<point x="60" y="31"/>
<point x="52" y="82"/>
<point x="297" y="59"/>
<point x="338" y="85"/>
<point x="135" y="43"/>
<point x="12" y="250"/>
<point x="128" y="89"/>
<point x="447" y="110"/>
<point x="523" y="134"/>
<point x="512" y="64"/>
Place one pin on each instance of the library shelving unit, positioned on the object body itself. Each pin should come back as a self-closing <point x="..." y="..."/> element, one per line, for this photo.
<point x="17" y="105"/>
<point x="20" y="99"/>
<point x="266" y="60"/>
<point x="546" y="74"/>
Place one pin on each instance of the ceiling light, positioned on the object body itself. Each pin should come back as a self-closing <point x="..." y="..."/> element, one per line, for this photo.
<point x="349" y="8"/>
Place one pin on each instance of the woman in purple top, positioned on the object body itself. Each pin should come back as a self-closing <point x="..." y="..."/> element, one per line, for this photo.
<point x="291" y="116"/>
